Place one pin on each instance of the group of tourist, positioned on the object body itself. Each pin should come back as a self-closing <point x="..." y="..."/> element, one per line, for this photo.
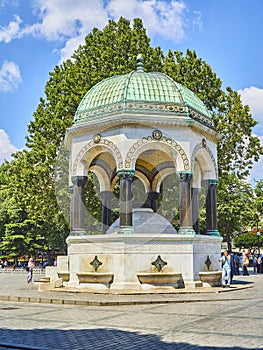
<point x="233" y="262"/>
<point x="3" y="264"/>
<point x="258" y="263"/>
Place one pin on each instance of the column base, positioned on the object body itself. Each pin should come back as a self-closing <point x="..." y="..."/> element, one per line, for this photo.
<point x="212" y="233"/>
<point x="186" y="230"/>
<point x="80" y="232"/>
<point x="193" y="284"/>
<point x="117" y="286"/>
<point x="126" y="230"/>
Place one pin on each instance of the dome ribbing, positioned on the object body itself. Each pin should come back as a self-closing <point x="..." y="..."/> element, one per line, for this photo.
<point x="139" y="92"/>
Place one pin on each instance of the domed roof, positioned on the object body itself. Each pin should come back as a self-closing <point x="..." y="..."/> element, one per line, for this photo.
<point x="139" y="92"/>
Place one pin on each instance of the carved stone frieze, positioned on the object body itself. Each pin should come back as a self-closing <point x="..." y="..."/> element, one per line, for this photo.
<point x="150" y="139"/>
<point x="109" y="144"/>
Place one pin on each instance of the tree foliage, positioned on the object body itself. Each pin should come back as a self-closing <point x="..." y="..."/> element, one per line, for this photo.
<point x="238" y="149"/>
<point x="249" y="240"/>
<point x="259" y="198"/>
<point x="236" y="206"/>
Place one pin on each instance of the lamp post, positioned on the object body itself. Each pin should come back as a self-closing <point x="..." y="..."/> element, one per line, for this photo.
<point x="43" y="246"/>
<point x="258" y="235"/>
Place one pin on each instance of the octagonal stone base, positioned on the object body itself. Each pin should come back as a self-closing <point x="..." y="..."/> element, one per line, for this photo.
<point x="128" y="260"/>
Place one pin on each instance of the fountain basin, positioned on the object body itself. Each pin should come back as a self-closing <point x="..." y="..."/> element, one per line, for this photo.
<point x="64" y="275"/>
<point x="211" y="278"/>
<point x="95" y="277"/>
<point x="159" y="279"/>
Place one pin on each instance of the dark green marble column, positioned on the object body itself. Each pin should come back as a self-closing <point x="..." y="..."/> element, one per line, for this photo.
<point x="106" y="209"/>
<point x="211" y="217"/>
<point x="77" y="218"/>
<point x="195" y="208"/>
<point x="153" y="196"/>
<point x="125" y="176"/>
<point x="151" y="201"/>
<point x="185" y="203"/>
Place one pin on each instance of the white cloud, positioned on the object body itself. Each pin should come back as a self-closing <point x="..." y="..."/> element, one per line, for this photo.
<point x="164" y="18"/>
<point x="9" y="76"/>
<point x="71" y="45"/>
<point x="6" y="148"/>
<point x="11" y="31"/>
<point x="197" y="20"/>
<point x="65" y="19"/>
<point x="253" y="97"/>
<point x="70" y="21"/>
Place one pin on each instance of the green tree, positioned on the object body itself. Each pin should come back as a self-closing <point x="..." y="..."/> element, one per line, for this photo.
<point x="249" y="240"/>
<point x="34" y="172"/>
<point x="18" y="234"/>
<point x="194" y="73"/>
<point x="259" y="201"/>
<point x="235" y="206"/>
<point x="238" y="149"/>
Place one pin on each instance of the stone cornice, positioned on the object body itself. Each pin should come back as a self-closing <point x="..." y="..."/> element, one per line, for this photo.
<point x="145" y="107"/>
<point x="139" y="120"/>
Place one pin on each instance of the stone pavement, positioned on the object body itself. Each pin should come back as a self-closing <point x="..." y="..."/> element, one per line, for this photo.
<point x="192" y="321"/>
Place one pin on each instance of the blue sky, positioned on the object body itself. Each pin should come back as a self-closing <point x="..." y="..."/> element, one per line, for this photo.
<point x="37" y="35"/>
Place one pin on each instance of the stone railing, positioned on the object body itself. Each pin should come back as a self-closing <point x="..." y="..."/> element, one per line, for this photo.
<point x="20" y="270"/>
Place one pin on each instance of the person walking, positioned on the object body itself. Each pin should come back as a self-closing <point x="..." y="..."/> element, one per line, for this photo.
<point x="226" y="270"/>
<point x="30" y="267"/>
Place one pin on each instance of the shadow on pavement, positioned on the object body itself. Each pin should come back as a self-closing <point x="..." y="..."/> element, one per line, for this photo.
<point x="104" y="339"/>
<point x="241" y="282"/>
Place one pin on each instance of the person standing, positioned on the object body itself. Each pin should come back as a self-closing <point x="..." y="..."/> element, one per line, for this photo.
<point x="258" y="263"/>
<point x="226" y="270"/>
<point x="245" y="263"/>
<point x="30" y="267"/>
<point x="236" y="264"/>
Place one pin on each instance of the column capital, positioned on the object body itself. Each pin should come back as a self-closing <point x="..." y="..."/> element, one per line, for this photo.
<point x="213" y="233"/>
<point x="79" y="180"/>
<point x="212" y="182"/>
<point x="185" y="175"/>
<point x="125" y="173"/>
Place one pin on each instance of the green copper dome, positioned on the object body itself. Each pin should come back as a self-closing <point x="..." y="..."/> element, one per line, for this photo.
<point x="144" y="93"/>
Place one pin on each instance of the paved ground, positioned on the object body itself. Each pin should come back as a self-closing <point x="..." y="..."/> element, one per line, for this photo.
<point x="193" y="321"/>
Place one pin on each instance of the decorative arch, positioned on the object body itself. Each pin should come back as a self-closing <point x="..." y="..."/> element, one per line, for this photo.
<point x="144" y="180"/>
<point x="103" y="143"/>
<point x="137" y="147"/>
<point x="206" y="154"/>
<point x="102" y="177"/>
<point x="160" y="177"/>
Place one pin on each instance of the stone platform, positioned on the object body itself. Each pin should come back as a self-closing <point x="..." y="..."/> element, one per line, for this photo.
<point x="126" y="262"/>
